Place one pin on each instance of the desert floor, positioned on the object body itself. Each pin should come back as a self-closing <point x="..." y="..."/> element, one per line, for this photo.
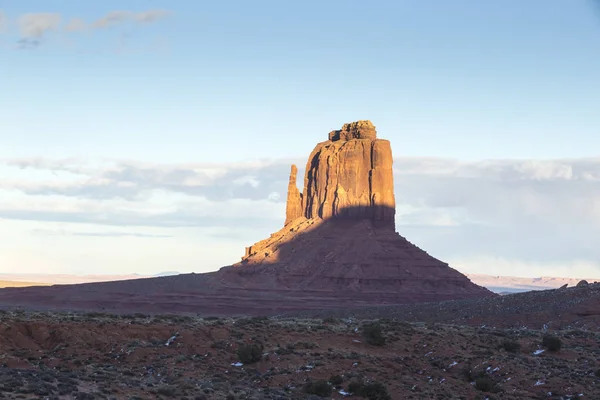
<point x="102" y="356"/>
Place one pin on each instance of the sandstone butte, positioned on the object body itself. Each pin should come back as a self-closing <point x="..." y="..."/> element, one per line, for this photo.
<point x="338" y="249"/>
<point x="339" y="240"/>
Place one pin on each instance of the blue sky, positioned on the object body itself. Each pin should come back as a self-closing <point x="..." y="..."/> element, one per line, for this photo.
<point x="142" y="136"/>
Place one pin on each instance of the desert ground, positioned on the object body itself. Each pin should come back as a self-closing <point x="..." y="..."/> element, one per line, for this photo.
<point x="521" y="346"/>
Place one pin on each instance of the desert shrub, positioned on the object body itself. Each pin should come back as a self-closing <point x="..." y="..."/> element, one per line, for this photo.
<point x="85" y="396"/>
<point x="336" y="380"/>
<point x="168" y="391"/>
<point x="598" y="373"/>
<point x="374" y="334"/>
<point x="467" y="373"/>
<point x="251" y="321"/>
<point x="249" y="353"/>
<point x="485" y="384"/>
<point x="371" y="391"/>
<point x="319" y="388"/>
<point x="512" y="346"/>
<point x="551" y="342"/>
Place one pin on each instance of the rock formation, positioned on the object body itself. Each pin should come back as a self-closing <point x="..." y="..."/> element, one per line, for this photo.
<point x="339" y="236"/>
<point x="293" y="208"/>
<point x="348" y="176"/>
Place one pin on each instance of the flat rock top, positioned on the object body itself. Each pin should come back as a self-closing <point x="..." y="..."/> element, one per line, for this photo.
<point x="363" y="129"/>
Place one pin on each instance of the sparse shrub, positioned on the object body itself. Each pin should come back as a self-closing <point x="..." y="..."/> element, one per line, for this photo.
<point x="336" y="380"/>
<point x="373" y="334"/>
<point x="168" y="391"/>
<point x="250" y="353"/>
<point x="598" y="372"/>
<point x="551" y="342"/>
<point x="485" y="384"/>
<point x="319" y="388"/>
<point x="371" y="391"/>
<point x="512" y="346"/>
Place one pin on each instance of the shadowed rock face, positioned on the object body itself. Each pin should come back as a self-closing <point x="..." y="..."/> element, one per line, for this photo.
<point x="348" y="176"/>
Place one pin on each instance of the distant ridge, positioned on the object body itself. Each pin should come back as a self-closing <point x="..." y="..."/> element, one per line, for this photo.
<point x="496" y="283"/>
<point x="167" y="273"/>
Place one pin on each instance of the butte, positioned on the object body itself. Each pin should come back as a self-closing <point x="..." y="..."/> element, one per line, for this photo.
<point x="338" y="246"/>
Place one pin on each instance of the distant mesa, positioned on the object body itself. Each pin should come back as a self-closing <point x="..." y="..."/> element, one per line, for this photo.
<point x="167" y="273"/>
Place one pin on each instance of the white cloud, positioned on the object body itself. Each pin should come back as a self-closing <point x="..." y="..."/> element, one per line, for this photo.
<point x="112" y="18"/>
<point x="3" y="22"/>
<point x="35" y="25"/>
<point x="498" y="266"/>
<point x="522" y="212"/>
<point x="151" y="15"/>
<point x="119" y="17"/>
<point x="132" y="180"/>
<point x="76" y="25"/>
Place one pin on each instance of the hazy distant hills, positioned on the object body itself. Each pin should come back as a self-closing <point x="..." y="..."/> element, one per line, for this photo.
<point x="67" y="279"/>
<point x="515" y="284"/>
<point x="496" y="284"/>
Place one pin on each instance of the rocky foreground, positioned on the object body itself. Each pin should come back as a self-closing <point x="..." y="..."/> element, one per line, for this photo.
<point x="523" y="346"/>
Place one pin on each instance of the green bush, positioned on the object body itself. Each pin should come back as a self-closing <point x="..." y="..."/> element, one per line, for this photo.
<point x="371" y="391"/>
<point x="319" y="388"/>
<point x="250" y="353"/>
<point x="511" y="346"/>
<point x="336" y="380"/>
<point x="551" y="342"/>
<point x="374" y="334"/>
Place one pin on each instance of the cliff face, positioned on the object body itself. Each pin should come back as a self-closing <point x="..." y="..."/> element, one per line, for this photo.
<point x="349" y="176"/>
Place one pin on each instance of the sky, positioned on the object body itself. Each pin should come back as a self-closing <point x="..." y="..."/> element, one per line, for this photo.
<point x="148" y="136"/>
